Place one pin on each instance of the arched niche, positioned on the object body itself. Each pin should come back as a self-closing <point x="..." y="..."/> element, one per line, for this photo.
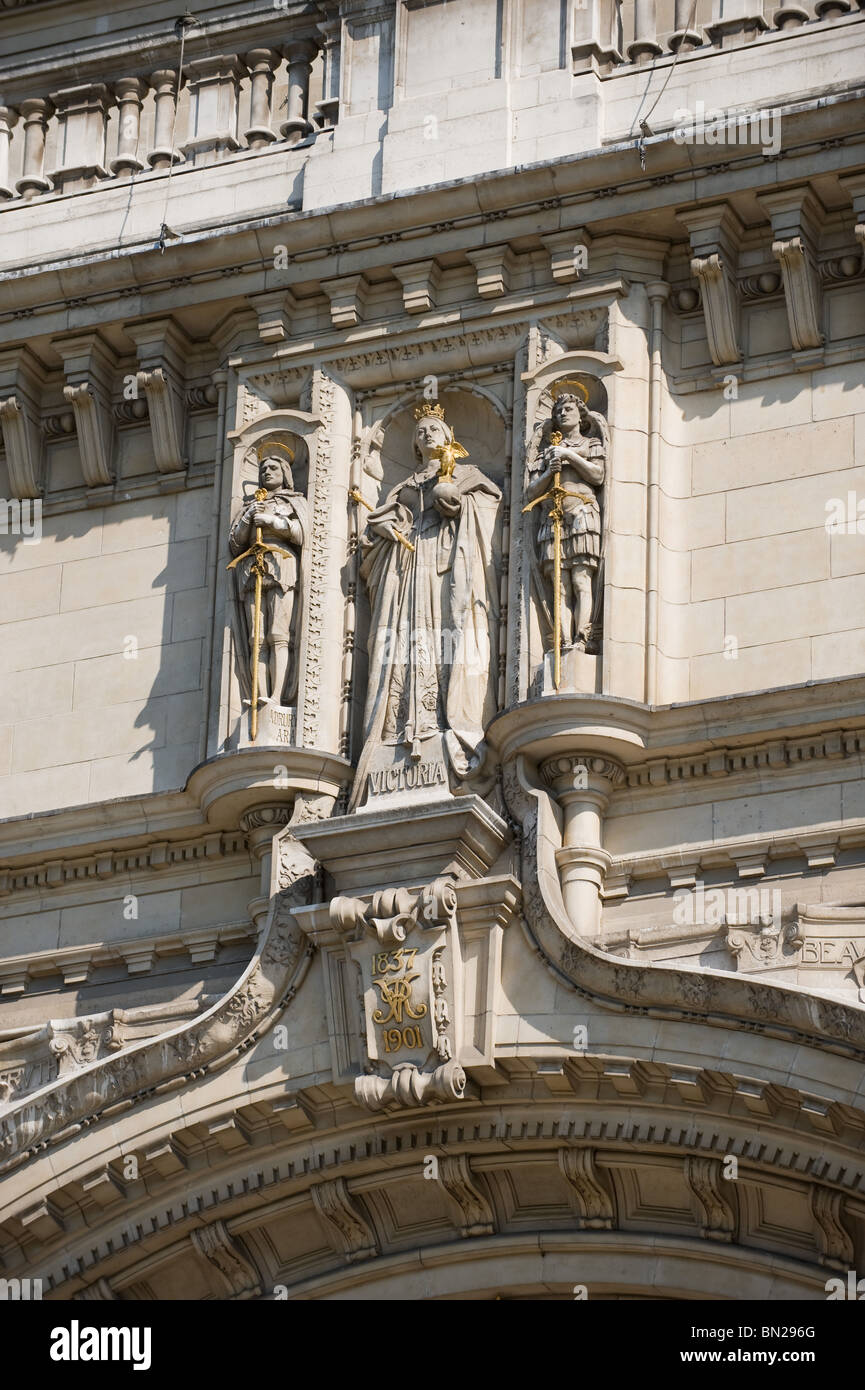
<point x="294" y="430"/>
<point x="481" y="423"/>
<point x="582" y="671"/>
<point x="477" y="418"/>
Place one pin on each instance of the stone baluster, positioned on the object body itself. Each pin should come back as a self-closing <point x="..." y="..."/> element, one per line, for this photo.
<point x="831" y="9"/>
<point x="327" y="110"/>
<point x="213" y="90"/>
<point x="35" y="112"/>
<point x="261" y="63"/>
<point x="790" y="17"/>
<point x="128" y="93"/>
<point x="683" y="37"/>
<point x="299" y="56"/>
<point x="8" y="118"/>
<point x="165" y="84"/>
<point x="645" y="46"/>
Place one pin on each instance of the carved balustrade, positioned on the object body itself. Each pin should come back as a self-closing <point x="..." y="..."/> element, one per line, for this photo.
<point x="277" y="94"/>
<point x="147" y="120"/>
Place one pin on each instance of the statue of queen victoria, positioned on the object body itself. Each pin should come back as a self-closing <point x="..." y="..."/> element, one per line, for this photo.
<point x="430" y="564"/>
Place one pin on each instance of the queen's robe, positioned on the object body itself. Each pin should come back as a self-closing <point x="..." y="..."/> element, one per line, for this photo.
<point x="433" y="645"/>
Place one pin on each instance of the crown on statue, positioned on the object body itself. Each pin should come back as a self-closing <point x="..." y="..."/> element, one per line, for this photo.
<point x="570" y="388"/>
<point x="429" y="408"/>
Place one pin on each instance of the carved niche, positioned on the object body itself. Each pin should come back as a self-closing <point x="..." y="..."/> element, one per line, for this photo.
<point x="268" y="541"/>
<point x="564" y="499"/>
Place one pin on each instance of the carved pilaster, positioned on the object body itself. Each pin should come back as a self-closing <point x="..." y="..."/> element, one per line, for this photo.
<point x="833" y="1239"/>
<point x="596" y="1209"/>
<point x="82" y="113"/>
<point x="88" y="364"/>
<point x="344" y="1220"/>
<point x="795" y="215"/>
<point x="213" y="87"/>
<point x="476" y="1216"/>
<point x="715" y="234"/>
<point x="715" y="1212"/>
<point x="20" y="389"/>
<point x="324" y="404"/>
<point x="216" y="1245"/>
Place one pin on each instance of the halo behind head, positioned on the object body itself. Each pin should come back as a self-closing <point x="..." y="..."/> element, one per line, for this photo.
<point x="574" y="389"/>
<point x="269" y="446"/>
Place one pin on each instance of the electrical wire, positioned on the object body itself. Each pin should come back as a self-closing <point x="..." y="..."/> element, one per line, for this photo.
<point x="187" y="21"/>
<point x="644" y="123"/>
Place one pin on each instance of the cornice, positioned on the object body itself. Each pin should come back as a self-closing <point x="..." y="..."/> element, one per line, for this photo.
<point x="244" y="1165"/>
<point x="553" y="195"/>
<point x="137" y="955"/>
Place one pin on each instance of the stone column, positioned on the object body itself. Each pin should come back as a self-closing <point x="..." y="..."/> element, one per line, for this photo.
<point x="260" y="825"/>
<point x="327" y="110"/>
<point x="645" y="46"/>
<point x="35" y="112"/>
<point x="8" y="118"/>
<point x="261" y="63"/>
<point x="299" y="57"/>
<point x="213" y="84"/>
<point x="165" y="84"/>
<point x="129" y="93"/>
<point x="583" y="785"/>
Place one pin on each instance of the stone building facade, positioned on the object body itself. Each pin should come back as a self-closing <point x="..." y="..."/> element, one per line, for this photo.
<point x="432" y="812"/>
